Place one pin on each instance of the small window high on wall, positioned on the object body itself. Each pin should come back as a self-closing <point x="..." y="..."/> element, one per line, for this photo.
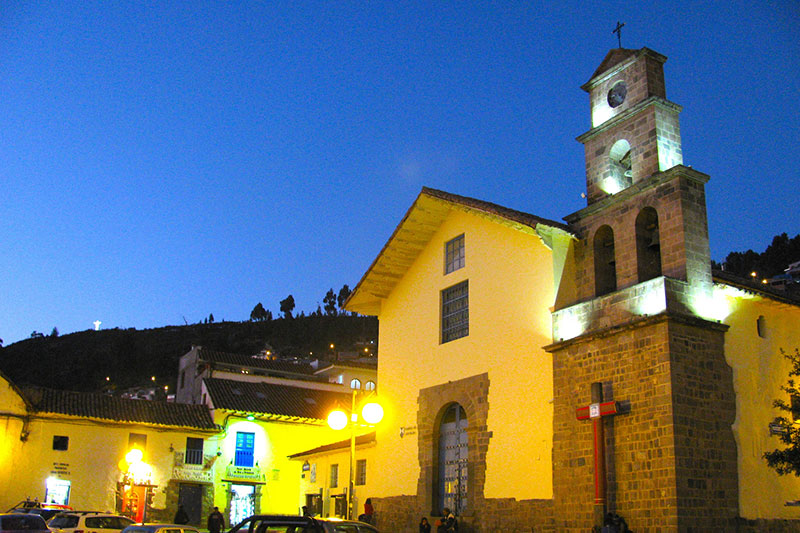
<point x="605" y="264"/>
<point x="648" y="244"/>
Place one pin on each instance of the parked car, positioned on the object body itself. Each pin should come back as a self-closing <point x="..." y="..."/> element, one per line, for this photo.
<point x="88" y="522"/>
<point x="159" y="528"/>
<point x="300" y="524"/>
<point x="45" y="510"/>
<point x="25" y="522"/>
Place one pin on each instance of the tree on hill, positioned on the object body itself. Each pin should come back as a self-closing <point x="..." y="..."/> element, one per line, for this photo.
<point x="259" y="314"/>
<point x="330" y="303"/>
<point x="787" y="460"/>
<point x="287" y="306"/>
<point x="779" y="254"/>
<point x="54" y="333"/>
<point x="344" y="294"/>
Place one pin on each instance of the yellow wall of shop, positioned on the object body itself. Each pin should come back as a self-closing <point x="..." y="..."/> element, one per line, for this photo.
<point x="274" y="442"/>
<point x="318" y="478"/>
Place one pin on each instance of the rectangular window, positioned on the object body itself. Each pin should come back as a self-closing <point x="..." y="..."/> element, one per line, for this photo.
<point x="194" y="451"/>
<point x="60" y="443"/>
<point x="334" y="476"/>
<point x="454" y="254"/>
<point x="137" y="440"/>
<point x="245" y="445"/>
<point x="455" y="312"/>
<point x="361" y="472"/>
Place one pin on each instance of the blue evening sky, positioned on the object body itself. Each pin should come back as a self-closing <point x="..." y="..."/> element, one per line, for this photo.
<point x="163" y="161"/>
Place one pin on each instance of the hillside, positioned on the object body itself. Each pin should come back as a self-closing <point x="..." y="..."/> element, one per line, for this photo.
<point x="81" y="361"/>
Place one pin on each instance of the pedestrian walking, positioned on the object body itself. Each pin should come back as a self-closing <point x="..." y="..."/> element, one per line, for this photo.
<point x="216" y="522"/>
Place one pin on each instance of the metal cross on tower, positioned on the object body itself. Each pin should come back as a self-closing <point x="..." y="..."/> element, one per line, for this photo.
<point x="618" y="31"/>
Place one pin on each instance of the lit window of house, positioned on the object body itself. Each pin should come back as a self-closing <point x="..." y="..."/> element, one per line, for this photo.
<point x="454" y="254"/>
<point x="355" y="383"/>
<point x="194" y="451"/>
<point x="334" y="476"/>
<point x="369" y="385"/>
<point x="455" y="312"/>
<point x="361" y="472"/>
<point x="245" y="444"/>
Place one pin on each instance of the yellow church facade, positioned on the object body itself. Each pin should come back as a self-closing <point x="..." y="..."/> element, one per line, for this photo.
<point x="539" y="375"/>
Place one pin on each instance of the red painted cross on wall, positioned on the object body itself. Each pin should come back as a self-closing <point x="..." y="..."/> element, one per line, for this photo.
<point x="595" y="412"/>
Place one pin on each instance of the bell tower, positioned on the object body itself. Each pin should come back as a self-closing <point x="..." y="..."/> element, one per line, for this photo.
<point x="635" y="130"/>
<point x="633" y="321"/>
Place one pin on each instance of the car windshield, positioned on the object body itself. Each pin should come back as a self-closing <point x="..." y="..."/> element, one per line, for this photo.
<point x="63" y="521"/>
<point x="22" y="522"/>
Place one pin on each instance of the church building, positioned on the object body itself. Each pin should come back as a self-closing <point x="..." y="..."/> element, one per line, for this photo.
<point x="539" y="374"/>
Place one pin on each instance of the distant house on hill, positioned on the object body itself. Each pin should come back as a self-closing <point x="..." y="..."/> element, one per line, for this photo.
<point x="200" y="363"/>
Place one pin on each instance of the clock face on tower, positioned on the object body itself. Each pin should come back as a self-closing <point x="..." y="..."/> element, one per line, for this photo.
<point x="617" y="94"/>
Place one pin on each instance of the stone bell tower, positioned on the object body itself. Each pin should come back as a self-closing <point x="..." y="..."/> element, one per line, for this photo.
<point x="634" y="315"/>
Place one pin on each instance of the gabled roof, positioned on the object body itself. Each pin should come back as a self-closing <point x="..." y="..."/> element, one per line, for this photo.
<point x="239" y="360"/>
<point x="617" y="56"/>
<point x="414" y="232"/>
<point x="112" y="408"/>
<point x="361" y="440"/>
<point x="274" y="401"/>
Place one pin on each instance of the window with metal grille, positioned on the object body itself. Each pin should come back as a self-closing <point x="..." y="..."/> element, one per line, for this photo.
<point x="194" y="451"/>
<point x="454" y="254"/>
<point x="334" y="476"/>
<point x="361" y="472"/>
<point x="245" y="444"/>
<point x="455" y="312"/>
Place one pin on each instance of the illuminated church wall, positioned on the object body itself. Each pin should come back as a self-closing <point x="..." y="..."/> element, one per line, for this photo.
<point x="759" y="370"/>
<point x="510" y="275"/>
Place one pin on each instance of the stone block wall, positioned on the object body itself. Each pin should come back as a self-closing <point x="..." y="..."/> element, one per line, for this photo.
<point x="679" y="200"/>
<point x="672" y="458"/>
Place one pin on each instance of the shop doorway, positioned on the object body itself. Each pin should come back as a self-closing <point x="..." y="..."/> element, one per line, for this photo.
<point x="243" y="502"/>
<point x="190" y="496"/>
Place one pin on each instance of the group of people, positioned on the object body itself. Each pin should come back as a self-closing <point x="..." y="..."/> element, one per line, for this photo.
<point x="216" y="522"/>
<point x="447" y="524"/>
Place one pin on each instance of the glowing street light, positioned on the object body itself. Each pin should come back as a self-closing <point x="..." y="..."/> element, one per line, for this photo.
<point x="371" y="414"/>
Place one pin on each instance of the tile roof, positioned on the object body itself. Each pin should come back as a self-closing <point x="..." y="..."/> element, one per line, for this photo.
<point x="287" y="367"/>
<point x="274" y="401"/>
<point x="727" y="278"/>
<point x="102" y="406"/>
<point x="371" y="365"/>
<point x="361" y="440"/>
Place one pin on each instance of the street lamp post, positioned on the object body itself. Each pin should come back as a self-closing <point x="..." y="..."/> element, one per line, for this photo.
<point x="371" y="413"/>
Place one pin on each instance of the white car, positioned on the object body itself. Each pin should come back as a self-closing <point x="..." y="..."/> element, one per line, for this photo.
<point x="88" y="522"/>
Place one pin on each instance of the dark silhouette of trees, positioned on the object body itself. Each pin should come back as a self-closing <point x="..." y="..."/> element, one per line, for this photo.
<point x="259" y="314"/>
<point x="330" y="303"/>
<point x="54" y="333"/>
<point x="787" y="460"/>
<point x="287" y="306"/>
<point x="772" y="262"/>
<point x="344" y="294"/>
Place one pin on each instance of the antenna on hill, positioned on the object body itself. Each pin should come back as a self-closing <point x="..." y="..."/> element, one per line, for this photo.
<point x="184" y="321"/>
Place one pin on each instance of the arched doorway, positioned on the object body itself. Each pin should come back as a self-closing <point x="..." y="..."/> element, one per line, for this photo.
<point x="453" y="460"/>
